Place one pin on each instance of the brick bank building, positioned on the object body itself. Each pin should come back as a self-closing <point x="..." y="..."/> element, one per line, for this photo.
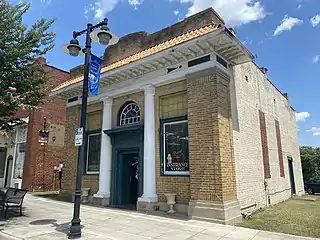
<point x="24" y="162"/>
<point x="185" y="111"/>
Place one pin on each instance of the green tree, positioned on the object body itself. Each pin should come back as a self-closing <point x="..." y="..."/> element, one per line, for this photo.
<point x="21" y="77"/>
<point x="310" y="160"/>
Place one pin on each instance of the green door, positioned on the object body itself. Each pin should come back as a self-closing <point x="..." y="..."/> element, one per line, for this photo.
<point x="126" y="179"/>
<point x="127" y="166"/>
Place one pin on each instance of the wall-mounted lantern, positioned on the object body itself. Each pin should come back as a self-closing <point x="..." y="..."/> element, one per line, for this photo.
<point x="43" y="134"/>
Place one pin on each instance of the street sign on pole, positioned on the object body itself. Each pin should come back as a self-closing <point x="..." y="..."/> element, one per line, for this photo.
<point x="79" y="137"/>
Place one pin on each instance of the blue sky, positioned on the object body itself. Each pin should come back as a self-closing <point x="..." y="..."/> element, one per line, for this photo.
<point x="284" y="34"/>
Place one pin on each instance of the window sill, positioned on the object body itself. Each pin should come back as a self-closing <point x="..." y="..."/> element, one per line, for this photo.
<point x="91" y="173"/>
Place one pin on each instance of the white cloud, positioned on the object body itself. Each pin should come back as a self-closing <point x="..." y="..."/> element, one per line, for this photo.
<point x="135" y="3"/>
<point x="315" y="131"/>
<point x="234" y="12"/>
<point x="176" y="12"/>
<point x="299" y="6"/>
<point x="102" y="7"/>
<point x="88" y="9"/>
<point x="46" y="2"/>
<point x="287" y="23"/>
<point x="302" y="116"/>
<point x="247" y="41"/>
<point x="316" y="59"/>
<point x="315" y="20"/>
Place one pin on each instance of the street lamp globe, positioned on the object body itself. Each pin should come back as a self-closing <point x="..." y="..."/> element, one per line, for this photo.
<point x="104" y="36"/>
<point x="73" y="48"/>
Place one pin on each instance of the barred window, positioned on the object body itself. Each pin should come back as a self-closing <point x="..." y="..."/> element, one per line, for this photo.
<point x="93" y="153"/>
<point x="130" y="114"/>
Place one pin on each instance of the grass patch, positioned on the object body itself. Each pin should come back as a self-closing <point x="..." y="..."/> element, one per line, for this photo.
<point x="296" y="217"/>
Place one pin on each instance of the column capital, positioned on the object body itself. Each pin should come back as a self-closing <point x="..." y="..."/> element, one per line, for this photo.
<point x="107" y="100"/>
<point x="148" y="89"/>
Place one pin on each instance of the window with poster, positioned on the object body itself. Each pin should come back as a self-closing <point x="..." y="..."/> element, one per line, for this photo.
<point x="174" y="146"/>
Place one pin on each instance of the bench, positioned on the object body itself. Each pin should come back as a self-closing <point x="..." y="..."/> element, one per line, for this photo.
<point x="13" y="198"/>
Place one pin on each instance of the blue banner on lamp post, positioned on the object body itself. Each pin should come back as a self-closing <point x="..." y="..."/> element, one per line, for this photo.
<point x="95" y="68"/>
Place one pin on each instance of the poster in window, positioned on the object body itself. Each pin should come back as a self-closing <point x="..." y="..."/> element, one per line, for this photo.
<point x="176" y="148"/>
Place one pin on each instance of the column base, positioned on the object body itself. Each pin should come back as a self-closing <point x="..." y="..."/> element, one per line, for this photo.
<point x="101" y="199"/>
<point x="147" y="203"/>
<point x="224" y="213"/>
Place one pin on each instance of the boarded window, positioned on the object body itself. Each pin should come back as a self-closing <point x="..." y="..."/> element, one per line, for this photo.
<point x="279" y="145"/>
<point x="264" y="144"/>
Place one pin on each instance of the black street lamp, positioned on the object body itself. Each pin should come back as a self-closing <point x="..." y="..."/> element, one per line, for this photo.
<point x="43" y="140"/>
<point x="104" y="37"/>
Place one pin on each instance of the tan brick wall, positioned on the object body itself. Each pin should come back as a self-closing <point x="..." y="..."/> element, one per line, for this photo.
<point x="118" y="103"/>
<point x="212" y="170"/>
<point x="71" y="153"/>
<point x="253" y="94"/>
<point x="92" y="182"/>
<point x="170" y="101"/>
<point x="94" y="121"/>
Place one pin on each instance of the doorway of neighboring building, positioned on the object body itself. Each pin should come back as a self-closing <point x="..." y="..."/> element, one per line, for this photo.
<point x="9" y="167"/>
<point x="3" y="155"/>
<point x="291" y="175"/>
<point x="127" y="179"/>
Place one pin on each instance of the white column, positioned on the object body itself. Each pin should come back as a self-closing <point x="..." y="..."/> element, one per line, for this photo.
<point x="106" y="152"/>
<point x="149" y="169"/>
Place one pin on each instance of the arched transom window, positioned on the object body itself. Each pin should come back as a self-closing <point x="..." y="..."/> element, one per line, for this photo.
<point x="130" y="114"/>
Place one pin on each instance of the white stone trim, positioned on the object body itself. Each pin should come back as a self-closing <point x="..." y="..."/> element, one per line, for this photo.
<point x="106" y="151"/>
<point x="156" y="79"/>
<point x="149" y="163"/>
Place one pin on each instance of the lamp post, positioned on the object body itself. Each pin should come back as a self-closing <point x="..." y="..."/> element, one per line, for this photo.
<point x="43" y="140"/>
<point x="104" y="37"/>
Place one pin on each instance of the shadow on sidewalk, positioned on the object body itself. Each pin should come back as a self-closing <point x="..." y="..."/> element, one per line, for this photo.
<point x="63" y="227"/>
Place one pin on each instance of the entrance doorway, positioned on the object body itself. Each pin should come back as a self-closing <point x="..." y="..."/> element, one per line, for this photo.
<point x="127" y="180"/>
<point x="291" y="175"/>
<point x="126" y="166"/>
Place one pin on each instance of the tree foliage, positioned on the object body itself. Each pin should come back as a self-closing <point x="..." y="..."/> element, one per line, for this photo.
<point x="310" y="160"/>
<point x="21" y="77"/>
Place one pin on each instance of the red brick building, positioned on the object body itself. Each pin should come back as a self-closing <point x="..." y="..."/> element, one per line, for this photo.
<point x="26" y="163"/>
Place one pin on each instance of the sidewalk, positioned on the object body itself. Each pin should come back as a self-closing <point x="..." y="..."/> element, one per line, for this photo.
<point x="48" y="219"/>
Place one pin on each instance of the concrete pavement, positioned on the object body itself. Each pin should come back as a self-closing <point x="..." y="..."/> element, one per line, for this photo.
<point x="48" y="219"/>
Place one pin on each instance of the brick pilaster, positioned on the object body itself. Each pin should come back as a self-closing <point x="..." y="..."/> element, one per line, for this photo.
<point x="212" y="167"/>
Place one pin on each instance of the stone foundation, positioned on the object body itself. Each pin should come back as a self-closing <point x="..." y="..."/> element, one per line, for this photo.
<point x="224" y="213"/>
<point x="100" y="201"/>
<point x="147" y="205"/>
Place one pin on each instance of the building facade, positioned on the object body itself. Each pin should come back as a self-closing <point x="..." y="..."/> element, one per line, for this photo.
<point x="24" y="162"/>
<point x="183" y="111"/>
